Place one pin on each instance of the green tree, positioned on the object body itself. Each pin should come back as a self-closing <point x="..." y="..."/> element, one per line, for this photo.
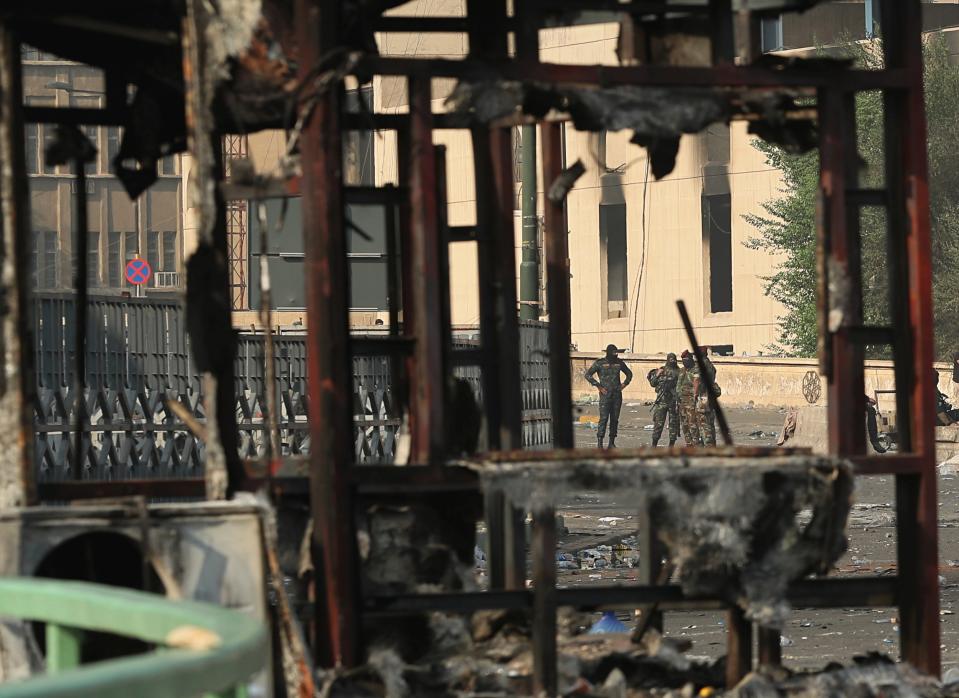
<point x="787" y="225"/>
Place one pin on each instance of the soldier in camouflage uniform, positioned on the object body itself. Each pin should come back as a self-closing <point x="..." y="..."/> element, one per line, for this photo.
<point x="687" y="387"/>
<point x="707" y="417"/>
<point x="610" y="391"/>
<point x="663" y="379"/>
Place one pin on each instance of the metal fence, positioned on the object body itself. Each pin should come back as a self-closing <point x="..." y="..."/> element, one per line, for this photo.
<point x="138" y="358"/>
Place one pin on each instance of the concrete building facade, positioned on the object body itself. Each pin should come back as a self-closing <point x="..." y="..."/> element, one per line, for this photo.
<point x="119" y="229"/>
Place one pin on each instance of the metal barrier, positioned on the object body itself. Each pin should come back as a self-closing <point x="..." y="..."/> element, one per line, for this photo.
<point x="201" y="648"/>
<point x="138" y="358"/>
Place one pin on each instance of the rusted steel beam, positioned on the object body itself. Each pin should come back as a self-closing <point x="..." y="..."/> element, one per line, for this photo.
<point x="66" y="491"/>
<point x="887" y="464"/>
<point x="865" y="592"/>
<point x="658" y="75"/>
<point x="328" y="350"/>
<point x="770" y="647"/>
<point x="424" y="308"/>
<point x="502" y="246"/>
<point x="17" y="385"/>
<point x="739" y="646"/>
<point x="839" y="237"/>
<point x="556" y="244"/>
<point x="909" y="231"/>
<point x="545" y="677"/>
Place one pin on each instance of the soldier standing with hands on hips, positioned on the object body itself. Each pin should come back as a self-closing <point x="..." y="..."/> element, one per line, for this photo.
<point x="610" y="391"/>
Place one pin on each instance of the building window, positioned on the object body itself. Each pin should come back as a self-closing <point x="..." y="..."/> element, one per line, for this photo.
<point x="772" y="34"/>
<point x="167" y="165"/>
<point x="114" y="135"/>
<point x="370" y="226"/>
<point x="45" y="250"/>
<point x="49" y="134"/>
<point x="93" y="258"/>
<point x="91" y="132"/>
<point x="153" y="252"/>
<point x="612" y="232"/>
<point x="366" y="255"/>
<point x="114" y="272"/>
<point x="162" y="255"/>
<point x="717" y="235"/>
<point x="31" y="134"/>
<point x="169" y="251"/>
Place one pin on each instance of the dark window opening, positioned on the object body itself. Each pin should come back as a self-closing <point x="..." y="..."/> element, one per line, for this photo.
<point x="93" y="258"/>
<point x="103" y="557"/>
<point x="113" y="260"/>
<point x="114" y="135"/>
<point x="717" y="235"/>
<point x="169" y="250"/>
<point x="153" y="252"/>
<point x="45" y="259"/>
<point x="167" y="165"/>
<point x="31" y="134"/>
<point x="49" y="133"/>
<point x="612" y="231"/>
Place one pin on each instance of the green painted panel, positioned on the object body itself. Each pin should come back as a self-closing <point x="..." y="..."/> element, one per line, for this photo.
<point x="240" y="652"/>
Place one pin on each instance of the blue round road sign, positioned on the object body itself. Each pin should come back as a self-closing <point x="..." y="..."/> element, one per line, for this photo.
<point x="138" y="271"/>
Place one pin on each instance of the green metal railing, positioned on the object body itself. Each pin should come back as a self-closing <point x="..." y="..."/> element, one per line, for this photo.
<point x="202" y="650"/>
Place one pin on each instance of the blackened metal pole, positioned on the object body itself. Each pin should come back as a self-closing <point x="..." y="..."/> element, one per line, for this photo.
<point x="545" y="679"/>
<point x="80" y="236"/>
<point x="556" y="247"/>
<point x="529" y="267"/>
<point x="329" y="366"/>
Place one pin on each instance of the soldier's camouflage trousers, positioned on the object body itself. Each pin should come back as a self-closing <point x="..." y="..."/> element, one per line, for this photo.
<point x="689" y="419"/>
<point x="707" y="423"/>
<point x="609" y="406"/>
<point x="660" y="412"/>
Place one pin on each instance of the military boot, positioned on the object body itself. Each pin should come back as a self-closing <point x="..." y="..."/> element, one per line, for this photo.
<point x="599" y="439"/>
<point x="612" y="442"/>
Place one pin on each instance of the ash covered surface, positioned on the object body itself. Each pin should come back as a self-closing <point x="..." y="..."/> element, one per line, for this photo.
<point x="741" y="529"/>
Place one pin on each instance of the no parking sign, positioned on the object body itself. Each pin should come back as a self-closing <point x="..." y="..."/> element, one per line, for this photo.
<point x="138" y="271"/>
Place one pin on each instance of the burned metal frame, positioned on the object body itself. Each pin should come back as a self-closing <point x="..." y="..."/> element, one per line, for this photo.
<point x="419" y="315"/>
<point x="488" y="59"/>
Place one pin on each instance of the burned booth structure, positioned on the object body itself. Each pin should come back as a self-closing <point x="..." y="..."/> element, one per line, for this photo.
<point x="181" y="75"/>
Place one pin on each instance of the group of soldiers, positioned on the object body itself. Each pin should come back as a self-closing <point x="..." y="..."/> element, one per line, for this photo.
<point x="681" y="398"/>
